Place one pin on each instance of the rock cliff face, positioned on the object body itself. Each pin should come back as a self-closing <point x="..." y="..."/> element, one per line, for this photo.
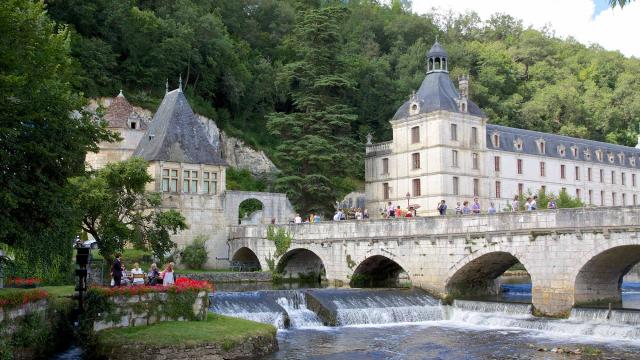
<point x="234" y="151"/>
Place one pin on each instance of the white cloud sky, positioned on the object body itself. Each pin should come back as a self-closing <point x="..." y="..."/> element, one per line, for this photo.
<point x="613" y="29"/>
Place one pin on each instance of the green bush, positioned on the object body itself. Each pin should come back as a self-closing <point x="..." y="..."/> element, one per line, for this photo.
<point x="195" y="254"/>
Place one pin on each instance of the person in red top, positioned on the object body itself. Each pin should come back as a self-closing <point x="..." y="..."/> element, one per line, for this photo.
<point x="399" y="212"/>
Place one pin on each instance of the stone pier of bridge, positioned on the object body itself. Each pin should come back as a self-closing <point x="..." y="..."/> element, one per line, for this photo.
<point x="574" y="256"/>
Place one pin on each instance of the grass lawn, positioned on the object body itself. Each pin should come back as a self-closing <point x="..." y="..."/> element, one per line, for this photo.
<point x="220" y="329"/>
<point x="60" y="291"/>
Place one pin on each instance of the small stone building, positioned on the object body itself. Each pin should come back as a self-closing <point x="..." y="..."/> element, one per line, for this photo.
<point x="188" y="170"/>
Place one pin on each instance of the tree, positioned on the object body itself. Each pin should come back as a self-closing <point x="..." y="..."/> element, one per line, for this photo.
<point x="44" y="137"/>
<point x="621" y="3"/>
<point x="117" y="209"/>
<point x="316" y="151"/>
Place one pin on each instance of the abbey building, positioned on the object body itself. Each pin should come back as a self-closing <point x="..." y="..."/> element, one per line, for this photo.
<point x="444" y="149"/>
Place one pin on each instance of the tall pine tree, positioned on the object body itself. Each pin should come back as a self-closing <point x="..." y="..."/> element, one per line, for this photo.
<point x="316" y="151"/>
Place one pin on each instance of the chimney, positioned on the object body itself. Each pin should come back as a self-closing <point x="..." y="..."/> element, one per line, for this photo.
<point x="463" y="86"/>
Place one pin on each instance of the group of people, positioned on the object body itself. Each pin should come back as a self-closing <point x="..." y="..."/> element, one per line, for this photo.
<point x="120" y="276"/>
<point x="340" y="214"/>
<point x="531" y="204"/>
<point x="397" y="212"/>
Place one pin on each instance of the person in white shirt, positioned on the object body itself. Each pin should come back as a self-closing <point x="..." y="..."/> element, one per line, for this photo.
<point x="168" y="276"/>
<point x="515" y="204"/>
<point x="297" y="219"/>
<point x="139" y="280"/>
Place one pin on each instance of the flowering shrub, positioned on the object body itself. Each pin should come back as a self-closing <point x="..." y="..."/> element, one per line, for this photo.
<point x="181" y="285"/>
<point x="23" y="283"/>
<point x="10" y="298"/>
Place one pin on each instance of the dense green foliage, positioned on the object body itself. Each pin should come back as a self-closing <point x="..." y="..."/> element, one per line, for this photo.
<point x="281" y="238"/>
<point x="319" y="75"/>
<point x="195" y="254"/>
<point x="42" y="141"/>
<point x="117" y="208"/>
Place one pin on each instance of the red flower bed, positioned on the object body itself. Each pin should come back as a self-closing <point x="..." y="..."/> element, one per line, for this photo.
<point x="11" y="298"/>
<point x="23" y="282"/>
<point x="181" y="285"/>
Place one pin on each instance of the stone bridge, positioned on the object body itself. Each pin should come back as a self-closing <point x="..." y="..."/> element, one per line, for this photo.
<point x="574" y="256"/>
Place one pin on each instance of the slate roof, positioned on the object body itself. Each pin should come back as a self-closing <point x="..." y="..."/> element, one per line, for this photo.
<point x="437" y="92"/>
<point x="120" y="112"/>
<point x="176" y="135"/>
<point x="509" y="136"/>
<point x="436" y="51"/>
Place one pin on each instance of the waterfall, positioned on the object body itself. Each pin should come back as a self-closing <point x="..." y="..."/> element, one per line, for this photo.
<point x="250" y="306"/>
<point x="300" y="316"/>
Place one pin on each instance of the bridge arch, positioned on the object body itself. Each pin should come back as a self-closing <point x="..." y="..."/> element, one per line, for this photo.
<point x="379" y="271"/>
<point x="476" y="274"/>
<point x="246" y="259"/>
<point x="599" y="279"/>
<point x="302" y="264"/>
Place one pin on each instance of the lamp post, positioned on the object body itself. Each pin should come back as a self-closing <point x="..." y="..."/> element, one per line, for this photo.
<point x="82" y="259"/>
<point x="408" y="198"/>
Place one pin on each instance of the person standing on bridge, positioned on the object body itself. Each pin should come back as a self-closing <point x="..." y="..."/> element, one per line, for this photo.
<point x="475" y="208"/>
<point x="391" y="211"/>
<point x="442" y="208"/>
<point x="465" y="208"/>
<point x="492" y="209"/>
<point x="515" y="204"/>
<point x="297" y="219"/>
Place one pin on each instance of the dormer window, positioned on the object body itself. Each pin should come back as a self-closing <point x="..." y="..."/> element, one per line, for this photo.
<point x="621" y="158"/>
<point x="517" y="144"/>
<point x="611" y="158"/>
<point x="587" y="154"/>
<point x="541" y="145"/>
<point x="574" y="151"/>
<point x="561" y="150"/>
<point x="495" y="140"/>
<point x="599" y="154"/>
<point x="134" y="125"/>
<point x="414" y="107"/>
<point x="632" y="161"/>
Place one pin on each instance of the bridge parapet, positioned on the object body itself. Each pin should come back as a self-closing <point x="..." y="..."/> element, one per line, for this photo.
<point x="536" y="222"/>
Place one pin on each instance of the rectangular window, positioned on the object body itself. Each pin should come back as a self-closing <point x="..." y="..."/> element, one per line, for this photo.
<point x="385" y="191"/>
<point x="165" y="180"/>
<point x="542" y="170"/>
<point x="601" y="198"/>
<point x="454" y="158"/>
<point x="519" y="166"/>
<point x="416" y="187"/>
<point x="454" y="132"/>
<point x="633" y="180"/>
<point x="577" y="173"/>
<point x="173" y="183"/>
<point x="214" y="183"/>
<point x="613" y="177"/>
<point x="456" y="186"/>
<point x="474" y="136"/>
<point x="415" y="159"/>
<point x="601" y="175"/>
<point x="385" y="166"/>
<point x="590" y="197"/>
<point x="496" y="163"/>
<point x="623" y="178"/>
<point x="209" y="182"/>
<point x="189" y="181"/>
<point x="613" y="199"/>
<point x="589" y="178"/>
<point x="474" y="157"/>
<point x="520" y="189"/>
<point x="498" y="188"/>
<point x="578" y="194"/>
<point x="624" y="199"/>
<point x="476" y="187"/>
<point x="635" y="200"/>
<point x="562" y="173"/>
<point x="415" y="134"/>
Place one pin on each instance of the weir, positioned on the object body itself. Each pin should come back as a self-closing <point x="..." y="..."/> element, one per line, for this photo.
<point x="320" y="308"/>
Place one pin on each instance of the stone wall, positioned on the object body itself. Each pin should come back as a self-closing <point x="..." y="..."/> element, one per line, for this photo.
<point x="224" y="277"/>
<point x="10" y="316"/>
<point x="250" y="348"/>
<point x="145" y="309"/>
